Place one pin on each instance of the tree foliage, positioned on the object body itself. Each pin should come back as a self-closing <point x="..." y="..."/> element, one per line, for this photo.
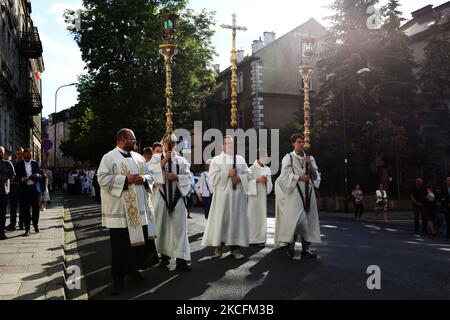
<point x="369" y="89"/>
<point x="434" y="85"/>
<point x="125" y="81"/>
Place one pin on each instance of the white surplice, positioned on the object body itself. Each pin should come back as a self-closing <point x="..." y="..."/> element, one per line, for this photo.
<point x="293" y="218"/>
<point x="257" y="203"/>
<point x="228" y="220"/>
<point x="171" y="227"/>
<point x="280" y="199"/>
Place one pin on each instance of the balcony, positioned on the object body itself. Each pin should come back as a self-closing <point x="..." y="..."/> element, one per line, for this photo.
<point x="30" y="44"/>
<point x="6" y="79"/>
<point x="32" y="104"/>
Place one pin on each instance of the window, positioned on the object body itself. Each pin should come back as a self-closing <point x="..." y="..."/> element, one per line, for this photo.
<point x="240" y="82"/>
<point x="224" y="92"/>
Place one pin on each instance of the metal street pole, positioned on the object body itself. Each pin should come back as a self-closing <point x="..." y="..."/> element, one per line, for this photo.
<point x="344" y="115"/>
<point x="54" y="122"/>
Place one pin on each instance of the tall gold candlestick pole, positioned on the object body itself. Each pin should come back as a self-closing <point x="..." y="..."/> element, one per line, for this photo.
<point x="306" y="71"/>
<point x="309" y="46"/>
<point x="168" y="49"/>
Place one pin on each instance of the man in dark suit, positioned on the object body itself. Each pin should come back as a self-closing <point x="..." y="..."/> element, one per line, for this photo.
<point x="6" y="174"/>
<point x="14" y="196"/>
<point x="28" y="175"/>
<point x="446" y="197"/>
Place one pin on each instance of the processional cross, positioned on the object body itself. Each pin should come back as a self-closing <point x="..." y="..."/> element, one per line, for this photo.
<point x="234" y="28"/>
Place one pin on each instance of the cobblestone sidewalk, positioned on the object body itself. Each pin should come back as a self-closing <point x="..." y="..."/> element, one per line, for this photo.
<point x="32" y="268"/>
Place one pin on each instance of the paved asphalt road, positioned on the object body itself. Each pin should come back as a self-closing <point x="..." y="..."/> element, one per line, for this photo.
<point x="412" y="266"/>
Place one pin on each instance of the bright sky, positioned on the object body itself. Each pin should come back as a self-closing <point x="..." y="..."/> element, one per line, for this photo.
<point x="63" y="62"/>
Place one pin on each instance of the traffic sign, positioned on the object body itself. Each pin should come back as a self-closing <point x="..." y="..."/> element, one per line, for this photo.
<point x="47" y="144"/>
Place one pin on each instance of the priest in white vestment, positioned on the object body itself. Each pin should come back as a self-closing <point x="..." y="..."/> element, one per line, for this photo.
<point x="228" y="220"/>
<point x="260" y="186"/>
<point x="125" y="182"/>
<point x="171" y="215"/>
<point x="297" y="218"/>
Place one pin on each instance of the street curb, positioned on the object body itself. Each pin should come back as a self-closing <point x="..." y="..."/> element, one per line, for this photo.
<point x="55" y="288"/>
<point x="72" y="261"/>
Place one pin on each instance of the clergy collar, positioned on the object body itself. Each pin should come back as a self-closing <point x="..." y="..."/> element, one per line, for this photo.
<point x="123" y="151"/>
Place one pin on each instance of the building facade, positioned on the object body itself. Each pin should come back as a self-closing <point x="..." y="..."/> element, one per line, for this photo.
<point x="418" y="28"/>
<point x="61" y="122"/>
<point x="20" y="81"/>
<point x="419" y="32"/>
<point x="270" y="87"/>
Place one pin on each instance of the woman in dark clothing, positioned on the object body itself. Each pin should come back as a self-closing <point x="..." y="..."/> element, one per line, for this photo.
<point x="429" y="209"/>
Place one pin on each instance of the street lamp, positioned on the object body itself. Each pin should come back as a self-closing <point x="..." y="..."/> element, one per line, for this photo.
<point x="309" y="46"/>
<point x="54" y="121"/>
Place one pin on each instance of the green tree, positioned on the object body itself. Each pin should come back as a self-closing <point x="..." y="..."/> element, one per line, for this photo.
<point x="376" y="108"/>
<point x="393" y="88"/>
<point x="346" y="101"/>
<point x="125" y="81"/>
<point x="434" y="114"/>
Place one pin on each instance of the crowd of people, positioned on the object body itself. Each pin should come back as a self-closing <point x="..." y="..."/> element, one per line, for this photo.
<point x="145" y="204"/>
<point x="24" y="186"/>
<point x="431" y="206"/>
<point x="146" y="201"/>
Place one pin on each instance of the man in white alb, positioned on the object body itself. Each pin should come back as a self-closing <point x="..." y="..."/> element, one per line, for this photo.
<point x="299" y="217"/>
<point x="228" y="220"/>
<point x="259" y="187"/>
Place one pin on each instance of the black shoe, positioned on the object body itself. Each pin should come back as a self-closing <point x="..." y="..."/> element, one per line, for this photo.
<point x="10" y="228"/>
<point x="164" y="264"/>
<point x="138" y="277"/>
<point x="27" y="233"/>
<point x="152" y="261"/>
<point x="291" y="250"/>
<point x="36" y="229"/>
<point x="189" y="217"/>
<point x="308" y="255"/>
<point x="183" y="267"/>
<point x="3" y="237"/>
<point x="117" y="288"/>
